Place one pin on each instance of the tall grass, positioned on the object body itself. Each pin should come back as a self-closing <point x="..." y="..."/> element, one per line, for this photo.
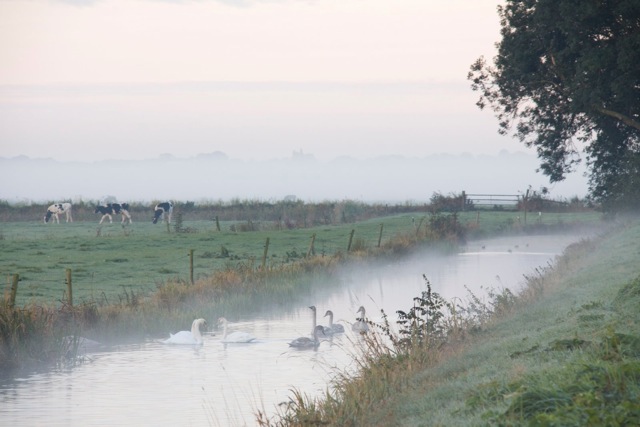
<point x="34" y="336"/>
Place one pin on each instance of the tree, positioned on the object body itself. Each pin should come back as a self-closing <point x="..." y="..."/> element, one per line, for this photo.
<point x="566" y="80"/>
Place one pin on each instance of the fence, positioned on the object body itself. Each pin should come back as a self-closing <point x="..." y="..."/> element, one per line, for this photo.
<point x="503" y="201"/>
<point x="14" y="279"/>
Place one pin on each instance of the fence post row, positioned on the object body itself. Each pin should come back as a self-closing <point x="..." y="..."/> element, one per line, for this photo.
<point x="312" y="250"/>
<point x="14" y="290"/>
<point x="69" y="287"/>
<point x="191" y="266"/>
<point x="68" y="272"/>
<point x="264" y="256"/>
<point x="350" y="240"/>
<point x="525" y="199"/>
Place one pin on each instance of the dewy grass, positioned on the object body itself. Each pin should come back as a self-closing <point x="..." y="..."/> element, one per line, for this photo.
<point x="530" y="359"/>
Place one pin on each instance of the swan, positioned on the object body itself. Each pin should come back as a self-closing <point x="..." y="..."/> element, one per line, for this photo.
<point x="306" y="342"/>
<point x="360" y="325"/>
<point x="192" y="337"/>
<point x="237" y="336"/>
<point x="333" y="328"/>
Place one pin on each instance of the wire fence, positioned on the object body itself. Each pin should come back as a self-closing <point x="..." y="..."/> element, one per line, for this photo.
<point x="115" y="281"/>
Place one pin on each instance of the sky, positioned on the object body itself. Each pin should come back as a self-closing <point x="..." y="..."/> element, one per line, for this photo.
<point x="256" y="80"/>
<point x="89" y="80"/>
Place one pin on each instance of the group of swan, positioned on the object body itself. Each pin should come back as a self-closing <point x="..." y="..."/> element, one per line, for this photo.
<point x="319" y="331"/>
<point x="333" y="328"/>
<point x="194" y="337"/>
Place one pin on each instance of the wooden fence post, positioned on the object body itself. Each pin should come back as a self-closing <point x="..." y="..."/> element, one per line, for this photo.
<point x="69" y="288"/>
<point x="380" y="235"/>
<point x="14" y="290"/>
<point x="312" y="250"/>
<point x="191" y="266"/>
<point x="350" y="240"/>
<point x="464" y="200"/>
<point x="217" y="224"/>
<point x="264" y="256"/>
<point x="525" y="200"/>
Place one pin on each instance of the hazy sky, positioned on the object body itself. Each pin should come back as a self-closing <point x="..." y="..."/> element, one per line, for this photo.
<point x="256" y="79"/>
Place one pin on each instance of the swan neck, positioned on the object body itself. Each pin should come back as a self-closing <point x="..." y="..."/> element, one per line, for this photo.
<point x="313" y="329"/>
<point x="224" y="330"/>
<point x="195" y="331"/>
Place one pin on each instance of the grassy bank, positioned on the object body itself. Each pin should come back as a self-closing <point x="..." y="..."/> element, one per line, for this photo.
<point x="566" y="351"/>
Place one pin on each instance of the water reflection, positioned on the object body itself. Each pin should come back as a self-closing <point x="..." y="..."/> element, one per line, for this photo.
<point x="226" y="383"/>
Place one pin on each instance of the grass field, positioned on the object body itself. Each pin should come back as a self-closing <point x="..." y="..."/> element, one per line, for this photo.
<point x="109" y="260"/>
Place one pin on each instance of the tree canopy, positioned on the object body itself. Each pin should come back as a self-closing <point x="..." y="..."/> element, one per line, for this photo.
<point x="566" y="80"/>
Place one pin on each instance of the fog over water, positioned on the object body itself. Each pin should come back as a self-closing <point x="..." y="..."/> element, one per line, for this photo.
<point x="216" y="176"/>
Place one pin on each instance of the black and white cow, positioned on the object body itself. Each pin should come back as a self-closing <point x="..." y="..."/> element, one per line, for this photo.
<point x="114" y="209"/>
<point x="58" y="209"/>
<point x="163" y="211"/>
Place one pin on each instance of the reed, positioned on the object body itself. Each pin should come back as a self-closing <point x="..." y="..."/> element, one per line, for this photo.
<point x="34" y="335"/>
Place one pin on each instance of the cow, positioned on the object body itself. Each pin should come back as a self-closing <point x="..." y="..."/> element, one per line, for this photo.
<point x="114" y="209"/>
<point x="163" y="210"/>
<point x="57" y="209"/>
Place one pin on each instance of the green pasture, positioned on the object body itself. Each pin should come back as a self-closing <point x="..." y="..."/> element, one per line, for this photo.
<point x="110" y="260"/>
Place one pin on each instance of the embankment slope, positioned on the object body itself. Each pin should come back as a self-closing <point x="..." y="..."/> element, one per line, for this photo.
<point x="584" y="323"/>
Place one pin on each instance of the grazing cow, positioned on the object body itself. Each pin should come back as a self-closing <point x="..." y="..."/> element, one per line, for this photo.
<point x="57" y="209"/>
<point x="114" y="209"/>
<point x="163" y="210"/>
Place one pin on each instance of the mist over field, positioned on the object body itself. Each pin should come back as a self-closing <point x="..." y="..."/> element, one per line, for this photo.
<point x="216" y="176"/>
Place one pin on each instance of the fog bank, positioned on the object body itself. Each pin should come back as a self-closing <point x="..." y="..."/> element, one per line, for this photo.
<point x="215" y="176"/>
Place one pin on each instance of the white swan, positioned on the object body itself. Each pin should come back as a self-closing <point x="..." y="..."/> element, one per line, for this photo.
<point x="333" y="328"/>
<point x="306" y="342"/>
<point x="360" y="325"/>
<point x="193" y="337"/>
<point x="237" y="336"/>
